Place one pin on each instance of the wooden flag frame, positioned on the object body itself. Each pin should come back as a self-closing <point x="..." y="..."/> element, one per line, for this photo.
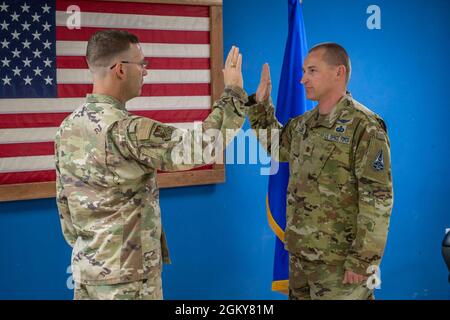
<point x="216" y="174"/>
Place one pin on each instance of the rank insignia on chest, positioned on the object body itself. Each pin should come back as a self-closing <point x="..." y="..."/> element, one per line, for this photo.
<point x="378" y="163"/>
<point x="302" y="130"/>
<point x="308" y="149"/>
<point x="341" y="129"/>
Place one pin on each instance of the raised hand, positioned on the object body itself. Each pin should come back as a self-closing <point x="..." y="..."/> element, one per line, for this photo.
<point x="265" y="85"/>
<point x="232" y="72"/>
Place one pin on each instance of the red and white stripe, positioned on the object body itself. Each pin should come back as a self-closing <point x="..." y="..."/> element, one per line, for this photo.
<point x="176" y="40"/>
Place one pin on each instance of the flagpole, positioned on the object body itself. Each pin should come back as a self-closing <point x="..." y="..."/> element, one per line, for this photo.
<point x="291" y="102"/>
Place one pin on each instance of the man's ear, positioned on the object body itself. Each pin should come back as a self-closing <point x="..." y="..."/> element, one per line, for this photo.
<point x="341" y="71"/>
<point x="119" y="71"/>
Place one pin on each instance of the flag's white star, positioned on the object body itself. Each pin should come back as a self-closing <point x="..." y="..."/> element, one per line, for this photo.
<point x="15" y="16"/>
<point x="4" y="7"/>
<point x="6" y="81"/>
<point x="26" y="62"/>
<point x="46" y="8"/>
<point x="15" y="35"/>
<point x="26" y="26"/>
<point x="47" y="62"/>
<point x="48" y="80"/>
<point x="26" y="44"/>
<point x="36" y="35"/>
<point x="37" y="53"/>
<point x="46" y="26"/>
<point x="25" y="7"/>
<point x="37" y="71"/>
<point x="5" y="62"/>
<point x="36" y="17"/>
<point x="17" y="71"/>
<point x="4" y="25"/>
<point x="5" y="43"/>
<point x="16" y="53"/>
<point x="28" y="80"/>
<point x="47" y="44"/>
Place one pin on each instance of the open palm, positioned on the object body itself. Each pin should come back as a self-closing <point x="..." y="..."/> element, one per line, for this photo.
<point x="265" y="85"/>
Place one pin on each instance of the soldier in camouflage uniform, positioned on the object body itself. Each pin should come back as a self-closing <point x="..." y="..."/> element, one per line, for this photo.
<point x="106" y="162"/>
<point x="339" y="196"/>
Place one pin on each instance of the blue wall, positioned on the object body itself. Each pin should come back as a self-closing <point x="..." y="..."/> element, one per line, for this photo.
<point x="220" y="242"/>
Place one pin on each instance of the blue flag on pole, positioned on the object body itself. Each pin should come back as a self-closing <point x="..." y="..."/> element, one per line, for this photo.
<point x="291" y="103"/>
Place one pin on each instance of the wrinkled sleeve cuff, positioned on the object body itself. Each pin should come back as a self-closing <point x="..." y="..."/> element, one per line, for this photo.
<point x="238" y="93"/>
<point x="239" y="98"/>
<point x="255" y="108"/>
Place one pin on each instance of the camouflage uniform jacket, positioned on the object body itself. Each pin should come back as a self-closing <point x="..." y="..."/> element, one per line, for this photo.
<point x="339" y="196"/>
<point x="107" y="193"/>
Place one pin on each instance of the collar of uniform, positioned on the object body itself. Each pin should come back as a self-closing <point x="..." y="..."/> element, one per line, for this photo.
<point x="102" y="98"/>
<point x="330" y="120"/>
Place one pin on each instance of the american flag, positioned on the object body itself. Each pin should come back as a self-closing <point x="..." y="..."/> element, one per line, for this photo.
<point x="44" y="76"/>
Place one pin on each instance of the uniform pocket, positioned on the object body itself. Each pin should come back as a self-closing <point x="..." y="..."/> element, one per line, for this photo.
<point x="321" y="156"/>
<point x="333" y="174"/>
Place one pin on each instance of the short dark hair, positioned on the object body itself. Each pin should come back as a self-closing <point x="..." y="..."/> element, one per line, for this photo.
<point x="105" y="45"/>
<point x="335" y="55"/>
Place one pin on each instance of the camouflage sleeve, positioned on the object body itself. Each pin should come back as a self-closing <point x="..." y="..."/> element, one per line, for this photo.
<point x="275" y="138"/>
<point x="372" y="168"/>
<point x="63" y="209"/>
<point x="163" y="147"/>
<point x="228" y="114"/>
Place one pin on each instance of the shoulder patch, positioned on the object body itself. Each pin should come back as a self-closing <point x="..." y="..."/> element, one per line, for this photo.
<point x="378" y="163"/>
<point x="155" y="131"/>
<point x="144" y="129"/>
<point x="163" y="132"/>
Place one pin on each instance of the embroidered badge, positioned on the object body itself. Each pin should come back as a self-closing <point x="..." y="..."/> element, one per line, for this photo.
<point x="335" y="138"/>
<point x="341" y="129"/>
<point x="343" y="121"/>
<point x="345" y="140"/>
<point x="378" y="164"/>
<point x="302" y="129"/>
<point x="331" y="137"/>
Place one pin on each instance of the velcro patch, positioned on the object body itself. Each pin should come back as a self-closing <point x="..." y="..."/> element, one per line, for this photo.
<point x="161" y="132"/>
<point x="302" y="129"/>
<point x="144" y="129"/>
<point x="331" y="137"/>
<point x="343" y="121"/>
<point x="336" y="138"/>
<point x="377" y="161"/>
